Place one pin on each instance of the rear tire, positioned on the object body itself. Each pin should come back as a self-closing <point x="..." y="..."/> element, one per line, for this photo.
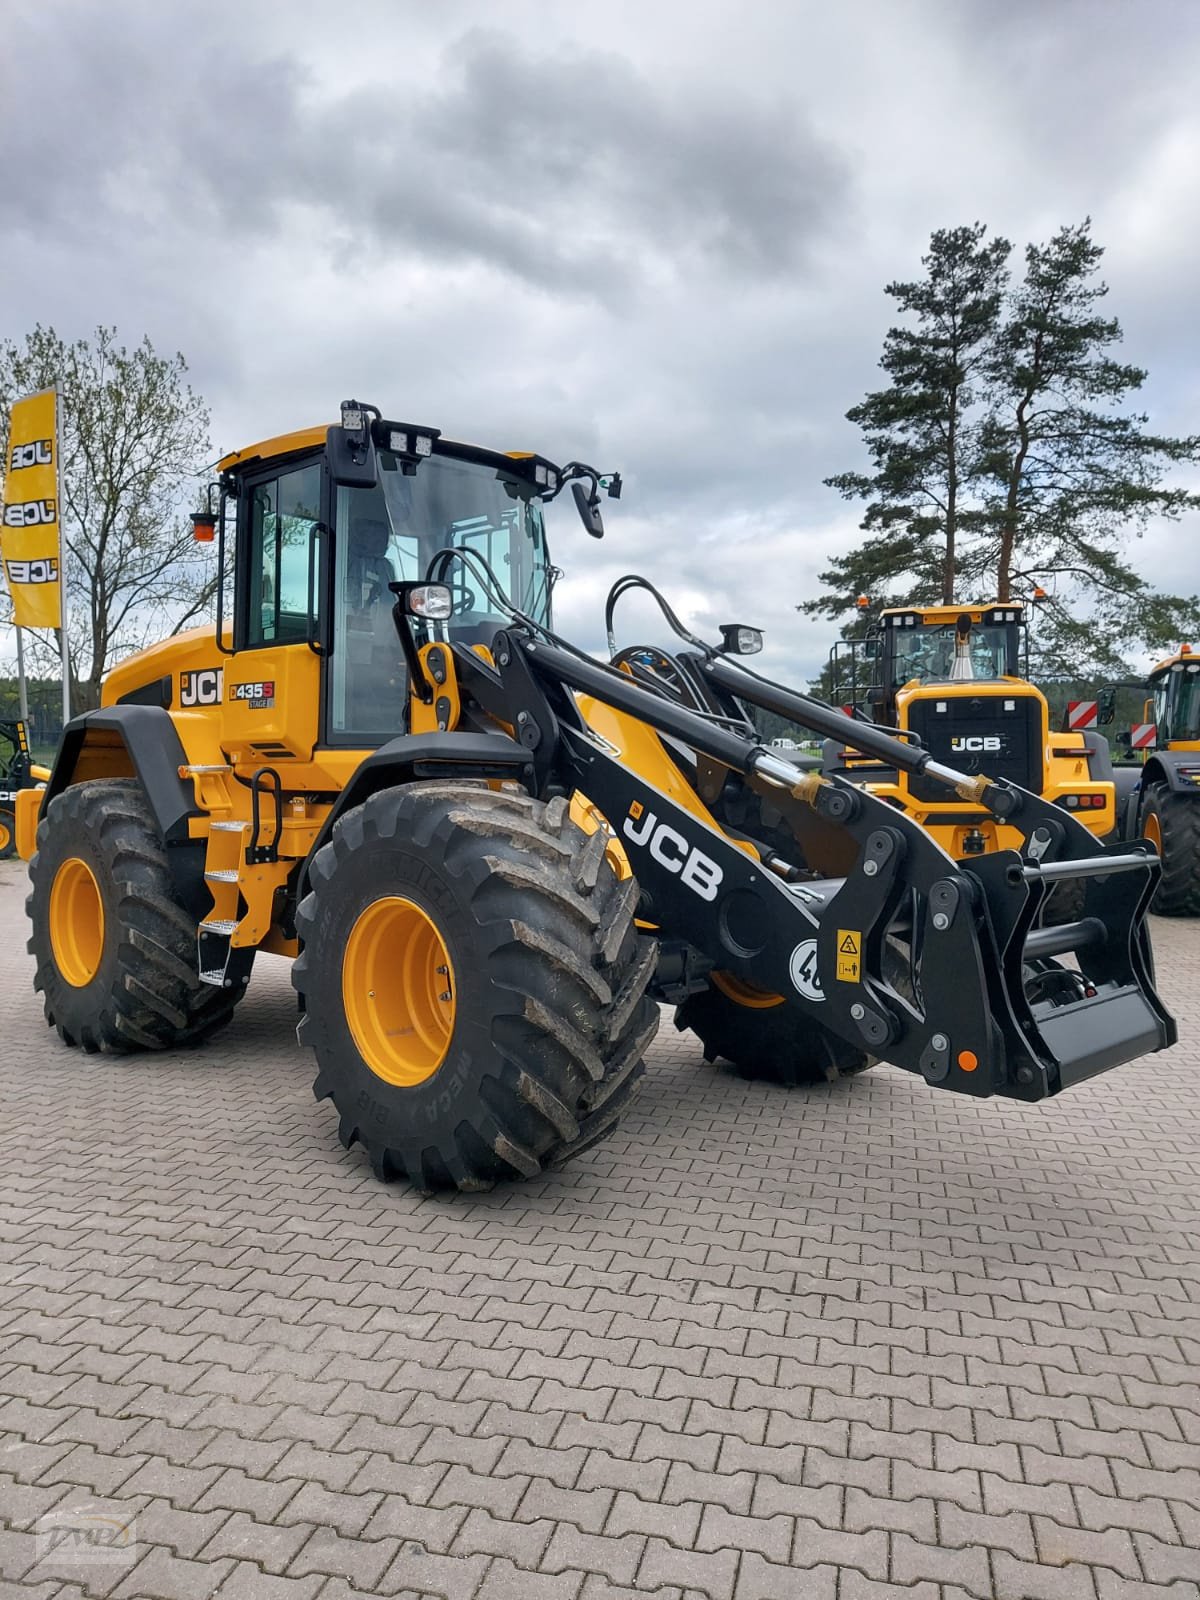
<point x="114" y="945"/>
<point x="8" y="833"/>
<point x="1173" y="822"/>
<point x="773" y="1044"/>
<point x="533" y="1048"/>
<point x="1064" y="903"/>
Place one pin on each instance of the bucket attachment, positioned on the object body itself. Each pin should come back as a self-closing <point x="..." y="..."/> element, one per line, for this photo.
<point x="1082" y="994"/>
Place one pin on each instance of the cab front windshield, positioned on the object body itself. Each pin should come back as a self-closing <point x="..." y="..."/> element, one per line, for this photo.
<point x="1177" y="703"/>
<point x="927" y="654"/>
<point x="390" y="534"/>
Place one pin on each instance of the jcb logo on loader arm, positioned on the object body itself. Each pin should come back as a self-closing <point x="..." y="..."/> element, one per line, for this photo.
<point x="671" y="850"/>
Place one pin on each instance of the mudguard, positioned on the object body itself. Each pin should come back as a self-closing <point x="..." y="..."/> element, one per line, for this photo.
<point x="1178" y="769"/>
<point x="128" y="741"/>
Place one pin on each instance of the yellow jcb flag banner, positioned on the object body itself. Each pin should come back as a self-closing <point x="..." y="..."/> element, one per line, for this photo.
<point x="29" y="541"/>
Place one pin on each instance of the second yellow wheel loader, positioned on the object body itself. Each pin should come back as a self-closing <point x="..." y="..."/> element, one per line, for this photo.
<point x="492" y="854"/>
<point x="951" y="676"/>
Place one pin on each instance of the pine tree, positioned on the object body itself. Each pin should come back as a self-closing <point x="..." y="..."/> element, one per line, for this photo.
<point x="1074" y="475"/>
<point x="1006" y="455"/>
<point x="920" y="431"/>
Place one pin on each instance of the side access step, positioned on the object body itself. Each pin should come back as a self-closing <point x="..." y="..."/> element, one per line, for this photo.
<point x="221" y="963"/>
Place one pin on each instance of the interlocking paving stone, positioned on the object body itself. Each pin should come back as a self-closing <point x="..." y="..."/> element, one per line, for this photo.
<point x="829" y="1344"/>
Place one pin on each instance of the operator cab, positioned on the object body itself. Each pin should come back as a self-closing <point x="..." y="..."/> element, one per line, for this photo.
<point x="330" y="519"/>
<point x="907" y="647"/>
<point x="1175" y="685"/>
<point x="977" y="644"/>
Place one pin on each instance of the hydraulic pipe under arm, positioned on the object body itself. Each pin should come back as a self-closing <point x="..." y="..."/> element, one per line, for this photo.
<point x="834" y="724"/>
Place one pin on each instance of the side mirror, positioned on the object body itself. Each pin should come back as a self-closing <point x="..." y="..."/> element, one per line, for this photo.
<point x="589" y="510"/>
<point x="352" y="460"/>
<point x="1106" y="707"/>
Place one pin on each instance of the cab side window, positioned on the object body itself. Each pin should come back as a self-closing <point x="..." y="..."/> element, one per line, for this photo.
<point x="284" y="511"/>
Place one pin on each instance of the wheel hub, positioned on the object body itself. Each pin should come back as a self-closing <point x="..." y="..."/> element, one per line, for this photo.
<point x="744" y="993"/>
<point x="76" y="922"/>
<point x="398" y="991"/>
<point x="1152" y="829"/>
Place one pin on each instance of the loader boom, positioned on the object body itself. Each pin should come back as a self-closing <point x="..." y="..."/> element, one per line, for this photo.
<point x="912" y="956"/>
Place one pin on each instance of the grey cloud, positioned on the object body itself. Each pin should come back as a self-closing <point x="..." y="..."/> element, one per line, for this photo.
<point x="577" y="176"/>
<point x="653" y="237"/>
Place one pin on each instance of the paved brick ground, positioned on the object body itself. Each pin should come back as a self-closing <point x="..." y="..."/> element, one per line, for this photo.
<point x="825" y="1345"/>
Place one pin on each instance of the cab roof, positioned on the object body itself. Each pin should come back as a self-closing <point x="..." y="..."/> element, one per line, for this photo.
<point x="286" y="444"/>
<point x="951" y="613"/>
<point x="1185" y="654"/>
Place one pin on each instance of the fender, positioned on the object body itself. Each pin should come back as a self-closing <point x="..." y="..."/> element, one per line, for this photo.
<point x="1127" y="781"/>
<point x="1099" y="757"/>
<point x="1175" y="769"/>
<point x="128" y="741"/>
<point x="429" y="755"/>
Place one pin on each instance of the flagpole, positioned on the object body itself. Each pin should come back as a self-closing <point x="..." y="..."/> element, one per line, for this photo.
<point x="21" y="689"/>
<point x="62" y="560"/>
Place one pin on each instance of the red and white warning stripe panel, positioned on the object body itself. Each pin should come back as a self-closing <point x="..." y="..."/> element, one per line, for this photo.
<point x="1082" y="714"/>
<point x="1141" y="736"/>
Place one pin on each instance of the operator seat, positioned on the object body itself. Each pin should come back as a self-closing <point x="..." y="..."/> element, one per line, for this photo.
<point x="374" y="665"/>
<point x="368" y="570"/>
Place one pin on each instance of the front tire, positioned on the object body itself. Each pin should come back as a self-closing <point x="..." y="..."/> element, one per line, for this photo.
<point x="1172" y="823"/>
<point x="8" y="833"/>
<point x="473" y="984"/>
<point x="767" y="1041"/>
<point x="114" y="944"/>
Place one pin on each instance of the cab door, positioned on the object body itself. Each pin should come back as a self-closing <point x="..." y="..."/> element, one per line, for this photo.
<point x="272" y="688"/>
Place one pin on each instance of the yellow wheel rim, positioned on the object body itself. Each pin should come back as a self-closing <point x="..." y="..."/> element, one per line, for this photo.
<point x="745" y="994"/>
<point x="398" y="991"/>
<point x="5" y="834"/>
<point x="1153" y="830"/>
<point x="76" y="922"/>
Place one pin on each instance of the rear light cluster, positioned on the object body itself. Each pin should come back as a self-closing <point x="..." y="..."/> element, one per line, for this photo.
<point x="1082" y="802"/>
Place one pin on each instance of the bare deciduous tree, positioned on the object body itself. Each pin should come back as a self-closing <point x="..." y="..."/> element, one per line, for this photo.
<point x="134" y="438"/>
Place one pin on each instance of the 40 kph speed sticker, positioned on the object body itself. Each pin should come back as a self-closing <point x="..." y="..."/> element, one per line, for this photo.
<point x="803" y="970"/>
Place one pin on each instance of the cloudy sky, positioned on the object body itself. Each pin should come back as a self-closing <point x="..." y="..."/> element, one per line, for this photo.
<point x="651" y="235"/>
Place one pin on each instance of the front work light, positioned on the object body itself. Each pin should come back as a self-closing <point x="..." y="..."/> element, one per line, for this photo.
<point x="739" y="640"/>
<point x="353" y="419"/>
<point x="432" y="601"/>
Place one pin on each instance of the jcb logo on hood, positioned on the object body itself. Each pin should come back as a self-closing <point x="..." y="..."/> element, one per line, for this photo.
<point x="201" y="688"/>
<point x="671" y="850"/>
<point x="989" y="743"/>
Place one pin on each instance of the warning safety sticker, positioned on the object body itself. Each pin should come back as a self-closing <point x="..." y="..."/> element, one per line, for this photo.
<point x="849" y="955"/>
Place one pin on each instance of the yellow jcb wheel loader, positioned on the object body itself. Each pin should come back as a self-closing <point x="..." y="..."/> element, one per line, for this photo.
<point x="952" y="677"/>
<point x="18" y="771"/>
<point x="492" y="854"/>
<point x="1159" y="798"/>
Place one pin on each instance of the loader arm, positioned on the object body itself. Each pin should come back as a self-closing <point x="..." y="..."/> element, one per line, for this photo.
<point x="932" y="964"/>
